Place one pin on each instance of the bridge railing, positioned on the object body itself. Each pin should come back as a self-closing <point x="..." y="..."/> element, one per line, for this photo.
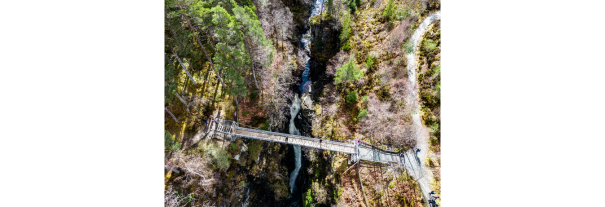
<point x="297" y="136"/>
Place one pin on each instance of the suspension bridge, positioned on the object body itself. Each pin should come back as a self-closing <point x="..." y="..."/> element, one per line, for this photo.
<point x="358" y="150"/>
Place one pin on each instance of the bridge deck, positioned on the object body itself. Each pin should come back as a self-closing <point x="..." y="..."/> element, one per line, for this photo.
<point x="231" y="129"/>
<point x="294" y="139"/>
<point x="365" y="151"/>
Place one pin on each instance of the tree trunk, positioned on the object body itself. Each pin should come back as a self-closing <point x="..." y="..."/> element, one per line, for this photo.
<point x="236" y="109"/>
<point x="183" y="65"/>
<point x="177" y="121"/>
<point x="254" y="74"/>
<point x="215" y="92"/>
<point x="205" y="81"/>
<point x="361" y="183"/>
<point x="247" y="45"/>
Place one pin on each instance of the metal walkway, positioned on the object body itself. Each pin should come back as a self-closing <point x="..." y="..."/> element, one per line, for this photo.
<point x="231" y="130"/>
<point x="407" y="160"/>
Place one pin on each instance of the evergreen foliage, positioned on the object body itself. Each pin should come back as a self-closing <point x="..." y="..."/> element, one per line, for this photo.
<point x="348" y="72"/>
<point x="370" y="61"/>
<point x="352" y="97"/>
<point x="362" y="114"/>
<point x="365" y="99"/>
<point x="353" y="4"/>
<point x="346" y="30"/>
<point x="170" y="144"/>
<point x="388" y="11"/>
<point x="236" y="30"/>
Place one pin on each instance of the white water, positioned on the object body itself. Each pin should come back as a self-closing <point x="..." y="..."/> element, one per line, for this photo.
<point x="421" y="141"/>
<point x="295" y="108"/>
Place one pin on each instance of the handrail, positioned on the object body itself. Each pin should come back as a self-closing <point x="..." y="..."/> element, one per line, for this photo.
<point x="384" y="150"/>
<point x="280" y="141"/>
<point x="296" y="136"/>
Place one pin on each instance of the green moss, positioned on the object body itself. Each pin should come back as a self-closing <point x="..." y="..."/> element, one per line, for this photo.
<point x="315" y="20"/>
<point x="254" y="147"/>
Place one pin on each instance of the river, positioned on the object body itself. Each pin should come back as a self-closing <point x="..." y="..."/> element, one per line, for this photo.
<point x="318" y="6"/>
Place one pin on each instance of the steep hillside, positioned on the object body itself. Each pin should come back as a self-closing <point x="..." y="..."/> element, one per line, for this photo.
<point x="243" y="60"/>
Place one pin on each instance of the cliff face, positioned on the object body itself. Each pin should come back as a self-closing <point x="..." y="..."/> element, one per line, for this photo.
<point x="324" y="47"/>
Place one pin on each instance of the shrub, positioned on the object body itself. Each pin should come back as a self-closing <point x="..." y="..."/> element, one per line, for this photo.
<point x="430" y="45"/>
<point x="434" y="141"/>
<point x="408" y="47"/>
<point x="362" y="114"/>
<point x="245" y="113"/>
<point x="254" y="149"/>
<point x="346" y="46"/>
<point x="388" y="11"/>
<point x="364" y="99"/>
<point x="253" y="94"/>
<point x="351" y="97"/>
<point x="170" y="144"/>
<point x="403" y="15"/>
<point x="370" y="61"/>
<point x="308" y="199"/>
<point x="437" y="70"/>
<point x="353" y="4"/>
<point x="221" y="157"/>
<point x="265" y="125"/>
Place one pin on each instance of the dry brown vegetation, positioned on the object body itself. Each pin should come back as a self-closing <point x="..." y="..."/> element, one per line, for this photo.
<point x="386" y="86"/>
<point x="382" y="187"/>
<point x="385" y="83"/>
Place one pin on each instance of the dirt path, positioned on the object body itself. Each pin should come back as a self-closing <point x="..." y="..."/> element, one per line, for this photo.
<point x="421" y="132"/>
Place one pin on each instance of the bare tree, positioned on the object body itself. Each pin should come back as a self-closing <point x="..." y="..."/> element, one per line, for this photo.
<point x="194" y="166"/>
<point x="177" y="121"/>
<point x="173" y="199"/>
<point x="387" y="122"/>
<point x="183" y="65"/>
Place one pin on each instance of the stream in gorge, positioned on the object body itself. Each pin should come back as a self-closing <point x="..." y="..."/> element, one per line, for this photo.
<point x="295" y="199"/>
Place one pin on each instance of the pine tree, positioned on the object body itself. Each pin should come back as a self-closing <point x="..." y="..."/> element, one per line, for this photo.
<point x="348" y="72"/>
